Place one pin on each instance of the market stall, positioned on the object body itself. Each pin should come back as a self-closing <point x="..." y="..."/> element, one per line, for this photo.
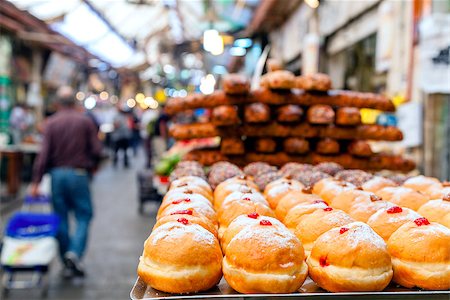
<point x="294" y="203"/>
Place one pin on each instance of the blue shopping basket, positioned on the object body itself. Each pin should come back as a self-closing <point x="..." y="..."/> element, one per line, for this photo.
<point x="24" y="228"/>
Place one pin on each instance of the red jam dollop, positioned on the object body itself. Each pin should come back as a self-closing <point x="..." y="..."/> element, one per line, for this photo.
<point x="328" y="209"/>
<point x="320" y="201"/>
<point x="394" y="210"/>
<point x="253" y="215"/>
<point x="246" y="199"/>
<point x="183" y="221"/>
<point x="182" y="212"/>
<point x="265" y="223"/>
<point x="421" y="221"/>
<point x="323" y="262"/>
<point x="181" y="200"/>
<point x="343" y="229"/>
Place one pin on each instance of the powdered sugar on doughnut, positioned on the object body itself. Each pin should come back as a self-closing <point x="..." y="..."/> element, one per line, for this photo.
<point x="360" y="232"/>
<point x="254" y="196"/>
<point x="176" y="231"/>
<point x="267" y="236"/>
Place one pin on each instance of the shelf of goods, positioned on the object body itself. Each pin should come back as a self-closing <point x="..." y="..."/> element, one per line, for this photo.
<point x="288" y="119"/>
<point x="298" y="231"/>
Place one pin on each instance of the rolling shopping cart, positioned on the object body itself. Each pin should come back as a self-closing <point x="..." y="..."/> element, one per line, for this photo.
<point x="29" y="246"/>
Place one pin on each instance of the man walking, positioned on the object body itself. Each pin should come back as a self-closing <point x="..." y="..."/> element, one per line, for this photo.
<point x="70" y="151"/>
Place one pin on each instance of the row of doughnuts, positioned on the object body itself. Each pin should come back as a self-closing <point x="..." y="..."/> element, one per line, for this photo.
<point x="274" y="129"/>
<point x="408" y="234"/>
<point x="294" y="145"/>
<point x="319" y="114"/>
<point x="380" y="161"/>
<point x="260" y="254"/>
<point x="236" y="91"/>
<point x="244" y="234"/>
<point x="311" y="217"/>
<point x="182" y="253"/>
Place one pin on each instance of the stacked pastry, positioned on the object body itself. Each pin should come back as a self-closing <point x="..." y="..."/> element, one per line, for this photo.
<point x="359" y="231"/>
<point x="419" y="249"/>
<point x="182" y="253"/>
<point x="261" y="254"/>
<point x="288" y="119"/>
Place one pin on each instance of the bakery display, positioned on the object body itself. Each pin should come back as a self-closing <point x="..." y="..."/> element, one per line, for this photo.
<point x="420" y="253"/>
<point x="310" y="122"/>
<point x="319" y="227"/>
<point x="350" y="258"/>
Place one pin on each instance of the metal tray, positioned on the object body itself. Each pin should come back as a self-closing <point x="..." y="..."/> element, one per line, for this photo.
<point x="309" y="290"/>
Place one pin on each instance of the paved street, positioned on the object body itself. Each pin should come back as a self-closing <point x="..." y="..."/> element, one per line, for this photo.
<point x="116" y="241"/>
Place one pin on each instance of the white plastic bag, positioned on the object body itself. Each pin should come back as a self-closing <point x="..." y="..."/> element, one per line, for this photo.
<point x="28" y="252"/>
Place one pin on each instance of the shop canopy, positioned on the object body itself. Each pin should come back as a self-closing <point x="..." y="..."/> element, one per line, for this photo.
<point x="128" y="33"/>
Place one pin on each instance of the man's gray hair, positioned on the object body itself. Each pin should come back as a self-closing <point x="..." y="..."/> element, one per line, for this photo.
<point x="65" y="96"/>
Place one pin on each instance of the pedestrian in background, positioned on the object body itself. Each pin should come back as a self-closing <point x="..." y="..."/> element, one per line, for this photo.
<point x="121" y="136"/>
<point x="70" y="152"/>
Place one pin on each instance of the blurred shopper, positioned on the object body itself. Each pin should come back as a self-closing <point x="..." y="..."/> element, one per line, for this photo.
<point x="121" y="136"/>
<point x="148" y="121"/>
<point x="70" y="151"/>
<point x="21" y="121"/>
<point x="133" y="123"/>
<point x="161" y="133"/>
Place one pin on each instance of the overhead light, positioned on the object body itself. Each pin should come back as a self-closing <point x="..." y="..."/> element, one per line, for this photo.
<point x="104" y="95"/>
<point x="169" y="69"/>
<point x="90" y="102"/>
<point x="243" y="43"/>
<point x="114" y="99"/>
<point x="182" y="93"/>
<point x="131" y="103"/>
<point x="212" y="42"/>
<point x="237" y="51"/>
<point x="80" y="96"/>
<point x="312" y="3"/>
<point x="207" y="84"/>
<point x="140" y="97"/>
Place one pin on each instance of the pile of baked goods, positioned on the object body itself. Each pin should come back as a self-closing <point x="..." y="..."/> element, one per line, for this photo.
<point x="266" y="229"/>
<point x="288" y="119"/>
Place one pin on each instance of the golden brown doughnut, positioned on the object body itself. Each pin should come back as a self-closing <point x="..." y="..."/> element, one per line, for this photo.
<point x="311" y="226"/>
<point x="234" y="184"/>
<point x="191" y="217"/>
<point x="175" y="197"/>
<point x="187" y="190"/>
<point x="199" y="207"/>
<point x="278" y="80"/>
<point x="181" y="257"/>
<point x="436" y="211"/>
<point x="362" y="211"/>
<point x="386" y="221"/>
<point x="235" y="84"/>
<point x="347" y="198"/>
<point x="277" y="189"/>
<point x="191" y="181"/>
<point x="293" y="198"/>
<point x="377" y="183"/>
<point x="349" y="259"/>
<point x="403" y="196"/>
<point x="425" y="185"/>
<point x="301" y="209"/>
<point x="329" y="188"/>
<point x="420" y="253"/>
<point x="242" y="222"/>
<point x="263" y="258"/>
